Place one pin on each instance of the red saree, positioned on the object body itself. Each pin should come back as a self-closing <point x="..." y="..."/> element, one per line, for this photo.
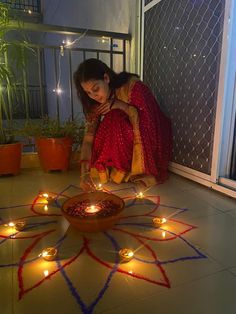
<point x="134" y="145"/>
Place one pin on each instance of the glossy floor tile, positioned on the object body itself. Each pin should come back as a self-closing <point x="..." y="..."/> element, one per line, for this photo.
<point x="186" y="265"/>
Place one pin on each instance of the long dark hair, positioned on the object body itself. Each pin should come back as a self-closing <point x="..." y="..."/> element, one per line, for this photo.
<point x="94" y="69"/>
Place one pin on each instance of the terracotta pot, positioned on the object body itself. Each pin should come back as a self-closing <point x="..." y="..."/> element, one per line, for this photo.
<point x="10" y="158"/>
<point x="54" y="153"/>
<point x="93" y="223"/>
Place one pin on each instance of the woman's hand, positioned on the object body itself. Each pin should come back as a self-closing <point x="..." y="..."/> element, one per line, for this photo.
<point x="106" y="107"/>
<point x="86" y="182"/>
<point x="112" y="104"/>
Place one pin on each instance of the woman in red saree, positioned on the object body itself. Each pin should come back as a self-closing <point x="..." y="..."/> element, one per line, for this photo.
<point x="127" y="136"/>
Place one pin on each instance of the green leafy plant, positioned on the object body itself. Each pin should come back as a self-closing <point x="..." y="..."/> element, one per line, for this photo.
<point x="53" y="128"/>
<point x="13" y="56"/>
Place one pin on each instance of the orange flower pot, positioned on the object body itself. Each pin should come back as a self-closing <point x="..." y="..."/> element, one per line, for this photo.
<point x="10" y="158"/>
<point x="54" y="153"/>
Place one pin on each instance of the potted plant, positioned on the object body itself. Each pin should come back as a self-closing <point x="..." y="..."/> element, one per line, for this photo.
<point x="10" y="153"/>
<point x="54" y="140"/>
<point x="12" y="59"/>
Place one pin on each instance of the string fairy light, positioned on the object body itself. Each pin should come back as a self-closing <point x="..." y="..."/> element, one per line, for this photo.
<point x="65" y="44"/>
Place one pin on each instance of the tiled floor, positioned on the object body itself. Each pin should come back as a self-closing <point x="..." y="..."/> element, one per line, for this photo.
<point x="187" y="266"/>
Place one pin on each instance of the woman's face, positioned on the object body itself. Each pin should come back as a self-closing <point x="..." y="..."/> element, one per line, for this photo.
<point x="97" y="89"/>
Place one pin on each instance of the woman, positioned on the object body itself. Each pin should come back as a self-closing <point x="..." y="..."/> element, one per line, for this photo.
<point x="127" y="136"/>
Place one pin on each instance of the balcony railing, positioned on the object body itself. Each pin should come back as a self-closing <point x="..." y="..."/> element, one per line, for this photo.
<point x="33" y="6"/>
<point x="53" y="64"/>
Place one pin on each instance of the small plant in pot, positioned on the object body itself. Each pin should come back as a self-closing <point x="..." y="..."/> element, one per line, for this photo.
<point x="54" y="141"/>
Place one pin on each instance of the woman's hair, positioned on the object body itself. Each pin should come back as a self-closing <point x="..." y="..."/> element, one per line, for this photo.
<point x="94" y="69"/>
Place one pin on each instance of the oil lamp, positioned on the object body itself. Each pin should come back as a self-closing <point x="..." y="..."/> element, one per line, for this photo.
<point x="126" y="255"/>
<point x="99" y="187"/>
<point x="20" y="225"/>
<point x="49" y="254"/>
<point x="140" y="195"/>
<point x="159" y="221"/>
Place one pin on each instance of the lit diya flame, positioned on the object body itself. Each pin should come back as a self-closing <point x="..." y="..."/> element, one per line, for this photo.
<point x="126" y="255"/>
<point x="11" y="224"/>
<point x="140" y="195"/>
<point x="158" y="221"/>
<point x="20" y="225"/>
<point x="93" y="209"/>
<point x="45" y="208"/>
<point x="99" y="187"/>
<point x="49" y="254"/>
<point x="46" y="196"/>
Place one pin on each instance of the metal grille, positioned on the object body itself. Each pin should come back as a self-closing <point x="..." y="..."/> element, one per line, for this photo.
<point x="147" y="1"/>
<point x="182" y="47"/>
<point x="24" y="5"/>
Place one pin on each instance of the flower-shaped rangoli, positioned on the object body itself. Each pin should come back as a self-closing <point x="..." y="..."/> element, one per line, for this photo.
<point x="97" y="254"/>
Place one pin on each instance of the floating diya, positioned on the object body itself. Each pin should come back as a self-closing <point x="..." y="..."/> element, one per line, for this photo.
<point x="159" y="221"/>
<point x="49" y="254"/>
<point x="126" y="255"/>
<point x="93" y="211"/>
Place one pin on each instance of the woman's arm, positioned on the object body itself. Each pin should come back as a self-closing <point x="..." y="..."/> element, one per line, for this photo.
<point x="130" y="110"/>
<point x="86" y="153"/>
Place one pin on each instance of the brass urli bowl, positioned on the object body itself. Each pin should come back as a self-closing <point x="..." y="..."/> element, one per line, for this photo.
<point x="93" y="223"/>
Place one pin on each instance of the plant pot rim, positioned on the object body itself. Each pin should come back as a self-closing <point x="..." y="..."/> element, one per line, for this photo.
<point x="13" y="143"/>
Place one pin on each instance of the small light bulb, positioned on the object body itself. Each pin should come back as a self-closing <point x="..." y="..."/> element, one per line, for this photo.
<point x="11" y="224"/>
<point x="57" y="90"/>
<point x="62" y="50"/>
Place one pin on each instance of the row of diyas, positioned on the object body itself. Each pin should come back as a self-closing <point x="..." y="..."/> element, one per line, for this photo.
<point x="99" y="187"/>
<point x="50" y="254"/>
<point x="93" y="209"/>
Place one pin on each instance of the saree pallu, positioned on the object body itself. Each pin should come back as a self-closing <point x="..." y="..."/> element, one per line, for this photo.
<point x="133" y="145"/>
